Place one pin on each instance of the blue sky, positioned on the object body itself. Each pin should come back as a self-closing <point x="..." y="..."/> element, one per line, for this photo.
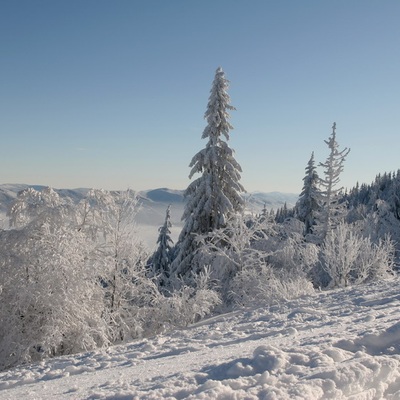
<point x="112" y="94"/>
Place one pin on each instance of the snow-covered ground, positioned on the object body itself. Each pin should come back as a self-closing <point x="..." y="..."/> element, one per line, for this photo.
<point x="342" y="344"/>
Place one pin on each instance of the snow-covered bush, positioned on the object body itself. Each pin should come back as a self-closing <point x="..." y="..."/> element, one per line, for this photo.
<point x="254" y="261"/>
<point x="263" y="283"/>
<point x="289" y="252"/>
<point x="231" y="249"/>
<point x="376" y="260"/>
<point x="348" y="257"/>
<point x="294" y="256"/>
<point x="189" y="303"/>
<point x="50" y="302"/>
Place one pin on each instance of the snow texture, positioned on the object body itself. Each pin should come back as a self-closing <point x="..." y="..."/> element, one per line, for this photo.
<point x="341" y="344"/>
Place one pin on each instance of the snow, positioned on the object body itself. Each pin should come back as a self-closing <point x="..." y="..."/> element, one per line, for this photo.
<point x="341" y="344"/>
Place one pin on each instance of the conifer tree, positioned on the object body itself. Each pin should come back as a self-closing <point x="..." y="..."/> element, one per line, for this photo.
<point x="215" y="196"/>
<point x="332" y="210"/>
<point x="308" y="203"/>
<point x="264" y="214"/>
<point x="162" y="258"/>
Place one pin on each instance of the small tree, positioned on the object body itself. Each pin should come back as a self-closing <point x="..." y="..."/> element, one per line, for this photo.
<point x="119" y="261"/>
<point x="215" y="196"/>
<point x="332" y="210"/>
<point x="189" y="303"/>
<point x="308" y="204"/>
<point x="162" y="258"/>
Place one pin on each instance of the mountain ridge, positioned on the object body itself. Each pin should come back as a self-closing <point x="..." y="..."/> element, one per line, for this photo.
<point x="153" y="204"/>
<point x="9" y="192"/>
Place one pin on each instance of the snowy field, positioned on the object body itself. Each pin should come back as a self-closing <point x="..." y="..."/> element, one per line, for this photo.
<point x="342" y="344"/>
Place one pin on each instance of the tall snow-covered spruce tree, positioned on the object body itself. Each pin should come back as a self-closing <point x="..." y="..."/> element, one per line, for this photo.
<point x="308" y="204"/>
<point x="215" y="196"/>
<point x="332" y="210"/>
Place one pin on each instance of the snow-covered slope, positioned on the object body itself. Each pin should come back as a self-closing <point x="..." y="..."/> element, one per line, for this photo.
<point x="342" y="344"/>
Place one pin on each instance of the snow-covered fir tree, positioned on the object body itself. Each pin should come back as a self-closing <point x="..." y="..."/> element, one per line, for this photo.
<point x="332" y="209"/>
<point x="162" y="258"/>
<point x="215" y="196"/>
<point x="308" y="204"/>
<point x="264" y="216"/>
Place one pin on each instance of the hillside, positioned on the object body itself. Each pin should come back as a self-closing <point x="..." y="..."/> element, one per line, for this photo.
<point x="341" y="344"/>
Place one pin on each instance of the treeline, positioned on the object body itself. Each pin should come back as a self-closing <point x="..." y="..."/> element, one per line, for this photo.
<point x="380" y="199"/>
<point x="384" y="190"/>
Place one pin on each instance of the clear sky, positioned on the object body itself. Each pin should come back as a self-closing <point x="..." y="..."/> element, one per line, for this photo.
<point x="112" y="94"/>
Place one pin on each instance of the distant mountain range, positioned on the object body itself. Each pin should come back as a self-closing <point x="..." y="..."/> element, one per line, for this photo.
<point x="153" y="204"/>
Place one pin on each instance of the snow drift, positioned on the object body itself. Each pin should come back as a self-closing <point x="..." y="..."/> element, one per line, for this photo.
<point x="341" y="344"/>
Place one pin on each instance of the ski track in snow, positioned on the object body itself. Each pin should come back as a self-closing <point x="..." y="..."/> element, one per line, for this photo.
<point x="342" y="344"/>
